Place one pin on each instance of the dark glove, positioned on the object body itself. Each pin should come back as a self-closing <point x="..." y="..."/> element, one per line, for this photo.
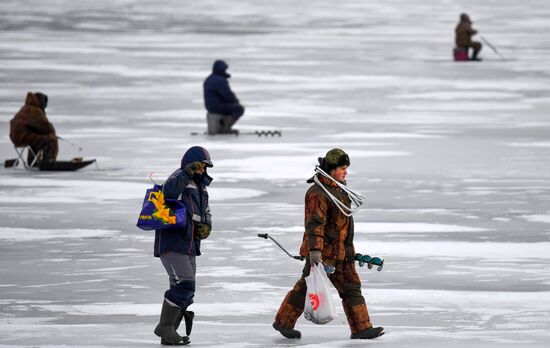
<point x="202" y="231"/>
<point x="193" y="167"/>
<point x="314" y="257"/>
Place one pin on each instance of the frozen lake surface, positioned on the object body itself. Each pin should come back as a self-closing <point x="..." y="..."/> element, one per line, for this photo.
<point x="453" y="157"/>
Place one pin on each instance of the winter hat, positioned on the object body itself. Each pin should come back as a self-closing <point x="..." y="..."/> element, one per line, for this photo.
<point x="333" y="159"/>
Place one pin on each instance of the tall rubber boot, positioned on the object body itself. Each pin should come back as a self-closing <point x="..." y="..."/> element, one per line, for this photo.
<point x="166" y="329"/>
<point x="188" y="316"/>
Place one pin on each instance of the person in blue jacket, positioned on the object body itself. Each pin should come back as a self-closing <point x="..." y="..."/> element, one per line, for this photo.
<point x="224" y="109"/>
<point x="178" y="248"/>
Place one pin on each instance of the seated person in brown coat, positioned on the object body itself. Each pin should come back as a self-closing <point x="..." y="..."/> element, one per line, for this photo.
<point x="30" y="127"/>
<point x="464" y="33"/>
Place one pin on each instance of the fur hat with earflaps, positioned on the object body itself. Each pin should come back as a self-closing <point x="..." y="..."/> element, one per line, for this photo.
<point x="333" y="159"/>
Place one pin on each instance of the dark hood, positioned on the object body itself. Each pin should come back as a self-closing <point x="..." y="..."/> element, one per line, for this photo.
<point x="219" y="68"/>
<point x="37" y="99"/>
<point x="42" y="99"/>
<point x="465" y="18"/>
<point x="196" y="154"/>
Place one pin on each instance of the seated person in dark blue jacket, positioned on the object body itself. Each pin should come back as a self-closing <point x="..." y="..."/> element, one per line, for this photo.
<point x="221" y="103"/>
<point x="178" y="248"/>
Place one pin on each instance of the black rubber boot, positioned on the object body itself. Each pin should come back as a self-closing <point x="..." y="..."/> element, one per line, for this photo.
<point x="288" y="333"/>
<point x="368" y="334"/>
<point x="188" y="316"/>
<point x="166" y="329"/>
<point x="176" y="326"/>
<point x="178" y="320"/>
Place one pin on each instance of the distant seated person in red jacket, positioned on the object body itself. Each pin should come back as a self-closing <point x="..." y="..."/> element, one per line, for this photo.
<point x="224" y="109"/>
<point x="30" y="127"/>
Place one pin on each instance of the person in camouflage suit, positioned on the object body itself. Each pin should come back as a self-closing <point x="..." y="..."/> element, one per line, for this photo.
<point x="328" y="238"/>
<point x="31" y="127"/>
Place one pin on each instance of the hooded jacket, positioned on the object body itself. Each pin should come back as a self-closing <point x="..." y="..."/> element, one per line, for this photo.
<point x="31" y="118"/>
<point x="192" y="192"/>
<point x="217" y="92"/>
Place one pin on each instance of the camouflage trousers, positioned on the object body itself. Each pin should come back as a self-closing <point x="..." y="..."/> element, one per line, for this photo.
<point x="346" y="281"/>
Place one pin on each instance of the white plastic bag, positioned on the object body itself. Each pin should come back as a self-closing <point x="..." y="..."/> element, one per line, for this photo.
<point x="319" y="307"/>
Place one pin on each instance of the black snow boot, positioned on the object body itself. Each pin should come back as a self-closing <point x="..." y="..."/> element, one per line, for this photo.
<point x="177" y="325"/>
<point x="188" y="316"/>
<point x="288" y="333"/>
<point x="166" y="329"/>
<point x="368" y="334"/>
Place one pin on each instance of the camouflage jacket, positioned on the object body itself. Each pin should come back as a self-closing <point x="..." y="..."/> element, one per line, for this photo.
<point x="326" y="228"/>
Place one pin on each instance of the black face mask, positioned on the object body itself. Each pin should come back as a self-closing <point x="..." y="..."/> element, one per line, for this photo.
<point x="197" y="178"/>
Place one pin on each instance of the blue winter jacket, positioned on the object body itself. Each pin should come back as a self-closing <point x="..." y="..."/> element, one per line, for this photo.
<point x="217" y="93"/>
<point x="180" y="186"/>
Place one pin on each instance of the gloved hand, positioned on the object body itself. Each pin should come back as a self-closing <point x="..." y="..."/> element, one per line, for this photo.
<point x="202" y="231"/>
<point x="314" y="257"/>
<point x="193" y="167"/>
